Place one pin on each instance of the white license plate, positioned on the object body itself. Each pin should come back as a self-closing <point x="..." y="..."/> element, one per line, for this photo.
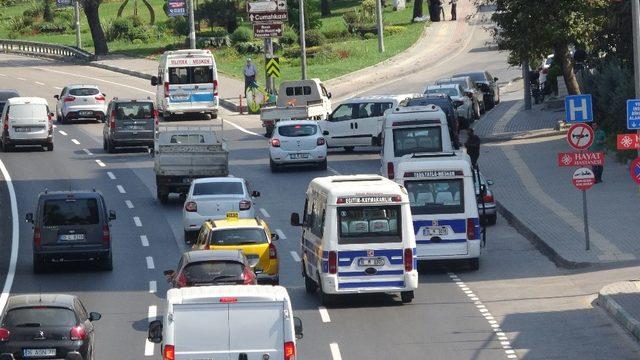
<point x="38" y="352"/>
<point x="299" y="156"/>
<point x="134" y="127"/>
<point x="374" y="261"/>
<point x="72" y="237"/>
<point x="435" y="231"/>
<point x="86" y="113"/>
<point x="22" y="129"/>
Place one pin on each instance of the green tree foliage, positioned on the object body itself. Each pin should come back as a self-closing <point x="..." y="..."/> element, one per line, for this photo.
<point x="219" y="13"/>
<point x="311" y="14"/>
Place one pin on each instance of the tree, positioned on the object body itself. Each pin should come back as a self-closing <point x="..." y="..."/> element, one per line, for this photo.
<point x="417" y="9"/>
<point x="311" y="14"/>
<point x="93" y="19"/>
<point x="325" y="8"/>
<point x="48" y="11"/>
<point x="219" y="13"/>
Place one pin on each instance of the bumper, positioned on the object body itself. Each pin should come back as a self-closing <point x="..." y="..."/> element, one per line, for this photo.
<point x="192" y="221"/>
<point x="65" y="349"/>
<point x="211" y="107"/>
<point x="473" y="251"/>
<point x="63" y="255"/>
<point x="331" y="285"/>
<point x="37" y="141"/>
<point x="488" y="210"/>
<point x="132" y="142"/>
<point x="283" y="157"/>
<point x="75" y="114"/>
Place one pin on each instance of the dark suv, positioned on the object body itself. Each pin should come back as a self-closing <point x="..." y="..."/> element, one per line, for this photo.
<point x="45" y="326"/>
<point x="71" y="226"/>
<point x="131" y="123"/>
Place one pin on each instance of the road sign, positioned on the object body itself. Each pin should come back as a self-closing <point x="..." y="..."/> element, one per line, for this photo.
<point x="583" y="179"/>
<point x="580" y="136"/>
<point x="177" y="8"/>
<point x="584" y="158"/>
<point x="268" y="17"/>
<point x="633" y="114"/>
<point x="634" y="170"/>
<point x="267" y="6"/>
<point x="273" y="67"/>
<point x="267" y="30"/>
<point x="63" y="3"/>
<point x="578" y="108"/>
<point x="628" y="142"/>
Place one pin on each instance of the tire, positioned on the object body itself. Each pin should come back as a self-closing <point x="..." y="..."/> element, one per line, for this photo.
<point x="38" y="264"/>
<point x="274" y="167"/>
<point x="492" y="219"/>
<point x="110" y="147"/>
<point x="268" y="131"/>
<point x="310" y="286"/>
<point x="162" y="196"/>
<point x="348" y="148"/>
<point x="61" y="119"/>
<point x="214" y="115"/>
<point x="474" y="264"/>
<point x="7" y="147"/>
<point x="49" y="147"/>
<point x="406" y="296"/>
<point x="325" y="299"/>
<point x="276" y="281"/>
<point x="323" y="165"/>
<point x="188" y="237"/>
<point x="65" y="120"/>
<point x="107" y="263"/>
<point x="491" y="103"/>
<point x="104" y="144"/>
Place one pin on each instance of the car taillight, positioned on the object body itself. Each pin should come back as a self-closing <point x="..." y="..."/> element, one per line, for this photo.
<point x="275" y="142"/>
<point x="487" y="198"/>
<point x="100" y="98"/>
<point x="245" y="205"/>
<point x="169" y="352"/>
<point x="320" y="141"/>
<point x="78" y="333"/>
<point x="6" y="122"/>
<point x="289" y="350"/>
<point x="390" y="171"/>
<point x="112" y="120"/>
<point x="471" y="229"/>
<point x="333" y="262"/>
<point x="155" y="117"/>
<point x="191" y="206"/>
<point x="69" y="99"/>
<point x="182" y="280"/>
<point x="106" y="235"/>
<point x="248" y="276"/>
<point x="408" y="260"/>
<point x="37" y="238"/>
<point x="166" y="89"/>
<point x="4" y="334"/>
<point x="215" y="87"/>
<point x="273" y="253"/>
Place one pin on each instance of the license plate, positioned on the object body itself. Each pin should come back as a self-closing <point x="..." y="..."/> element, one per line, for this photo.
<point x="374" y="261"/>
<point x="72" y="237"/>
<point x="134" y="127"/>
<point x="85" y="113"/>
<point x="435" y="231"/>
<point x="181" y="96"/>
<point x="22" y="129"/>
<point x="38" y="352"/>
<point x="299" y="156"/>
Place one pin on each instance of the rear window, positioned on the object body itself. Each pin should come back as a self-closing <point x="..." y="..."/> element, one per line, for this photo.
<point x="477" y="76"/>
<point x="187" y="139"/>
<point x="297" y="130"/>
<point x="436" y="196"/>
<point x="298" y="90"/>
<point x="218" y="188"/>
<point x="39" y="316"/>
<point x="190" y="75"/>
<point x="416" y="140"/>
<point x="6" y="95"/>
<point x="443" y="103"/>
<point x="371" y="224"/>
<point x="238" y="237"/>
<point x="71" y="212"/>
<point x="28" y="111"/>
<point x="134" y="110"/>
<point x="84" y="91"/>
<point x="448" y="91"/>
<point x="208" y="271"/>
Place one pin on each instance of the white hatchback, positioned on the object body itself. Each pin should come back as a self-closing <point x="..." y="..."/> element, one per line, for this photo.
<point x="77" y="102"/>
<point x="297" y="142"/>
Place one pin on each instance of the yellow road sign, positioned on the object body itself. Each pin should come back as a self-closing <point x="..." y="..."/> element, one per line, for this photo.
<point x="273" y="67"/>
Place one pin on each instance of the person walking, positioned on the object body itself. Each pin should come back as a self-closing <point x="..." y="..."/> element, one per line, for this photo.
<point x="473" y="147"/>
<point x="599" y="140"/>
<point x="454" y="9"/>
<point x="250" y="72"/>
<point x="441" y="9"/>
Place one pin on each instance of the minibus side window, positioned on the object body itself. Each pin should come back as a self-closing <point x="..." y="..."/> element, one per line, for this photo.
<point x="369" y="224"/>
<point x="317" y="219"/>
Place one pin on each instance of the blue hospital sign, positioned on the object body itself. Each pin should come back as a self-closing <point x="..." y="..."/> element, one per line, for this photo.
<point x="633" y="114"/>
<point x="578" y="108"/>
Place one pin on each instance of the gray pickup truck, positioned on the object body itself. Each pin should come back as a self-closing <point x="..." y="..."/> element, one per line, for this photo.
<point x="184" y="153"/>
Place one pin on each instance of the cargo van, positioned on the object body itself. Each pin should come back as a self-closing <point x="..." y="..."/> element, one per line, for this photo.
<point x="187" y="82"/>
<point x="26" y="121"/>
<point x="357" y="237"/>
<point x="250" y="322"/>
<point x="411" y="131"/>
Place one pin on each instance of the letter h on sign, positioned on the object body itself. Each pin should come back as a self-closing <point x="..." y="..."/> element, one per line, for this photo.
<point x="578" y="108"/>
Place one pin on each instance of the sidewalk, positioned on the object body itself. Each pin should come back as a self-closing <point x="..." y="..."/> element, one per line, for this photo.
<point x="622" y="301"/>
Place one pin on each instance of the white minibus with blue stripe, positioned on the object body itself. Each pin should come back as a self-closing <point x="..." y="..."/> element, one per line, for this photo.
<point x="357" y="237"/>
<point x="444" y="207"/>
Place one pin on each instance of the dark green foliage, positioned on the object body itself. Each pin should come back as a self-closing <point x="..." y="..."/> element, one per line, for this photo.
<point x="250" y="47"/>
<point x="241" y="35"/>
<point x="314" y="38"/>
<point x="311" y="14"/>
<point x="128" y="28"/>
<point x="289" y="36"/>
<point x="178" y="25"/>
<point x="219" y="13"/>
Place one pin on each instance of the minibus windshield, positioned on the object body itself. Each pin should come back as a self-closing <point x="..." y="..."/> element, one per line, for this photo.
<point x="369" y="224"/>
<point x="416" y="140"/>
<point x="438" y="196"/>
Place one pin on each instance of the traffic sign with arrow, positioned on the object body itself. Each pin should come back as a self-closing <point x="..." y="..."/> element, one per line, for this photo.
<point x="273" y="67"/>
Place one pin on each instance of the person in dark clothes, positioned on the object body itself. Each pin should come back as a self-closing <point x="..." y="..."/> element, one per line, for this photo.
<point x="441" y="9"/>
<point x="599" y="145"/>
<point x="454" y="9"/>
<point x="473" y="147"/>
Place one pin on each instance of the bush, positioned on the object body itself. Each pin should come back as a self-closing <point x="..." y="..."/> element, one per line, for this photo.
<point x="249" y="47"/>
<point x="219" y="13"/>
<point x="178" y="25"/>
<point x="314" y="38"/>
<point x="241" y="35"/>
<point x="215" y="31"/>
<point x="19" y="24"/>
<point x="291" y="52"/>
<point x="336" y="34"/>
<point x="34" y="11"/>
<point x="369" y="36"/>
<point x="289" y="36"/>
<point x="51" y="28"/>
<point x="128" y="28"/>
<point x="394" y="29"/>
<point x="351" y="19"/>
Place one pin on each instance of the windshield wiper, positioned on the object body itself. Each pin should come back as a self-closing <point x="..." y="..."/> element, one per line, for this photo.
<point x="28" y="325"/>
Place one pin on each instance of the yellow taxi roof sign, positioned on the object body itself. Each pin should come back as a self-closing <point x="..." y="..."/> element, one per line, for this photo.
<point x="233" y="215"/>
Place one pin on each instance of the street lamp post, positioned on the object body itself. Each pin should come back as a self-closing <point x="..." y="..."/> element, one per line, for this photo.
<point x="192" y="27"/>
<point x="76" y="6"/>
<point x="379" y="26"/>
<point x="635" y="11"/>
<point x="303" y="45"/>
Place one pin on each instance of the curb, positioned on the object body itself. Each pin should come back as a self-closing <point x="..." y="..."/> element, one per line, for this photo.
<point x="617" y="312"/>
<point x="522" y="136"/>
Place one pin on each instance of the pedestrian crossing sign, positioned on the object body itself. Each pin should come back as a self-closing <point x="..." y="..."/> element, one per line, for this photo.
<point x="273" y="67"/>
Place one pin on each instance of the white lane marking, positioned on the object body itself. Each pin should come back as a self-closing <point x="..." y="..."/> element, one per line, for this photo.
<point x="99" y="162"/>
<point x="95" y="79"/>
<point x="57" y="87"/>
<point x="62" y="133"/>
<point x="324" y="314"/>
<point x="152" y="314"/>
<point x="144" y="240"/>
<point x="281" y="234"/>
<point x="148" y="348"/>
<point x="150" y="264"/>
<point x="153" y="287"/>
<point x="504" y="341"/>
<point x="242" y="129"/>
<point x="75" y="141"/>
<point x="40" y="83"/>
<point x="121" y="189"/>
<point x="137" y="221"/>
<point x="86" y="151"/>
<point x="335" y="351"/>
<point x="110" y="175"/>
<point x="129" y="204"/>
<point x="333" y="171"/>
<point x="295" y="256"/>
<point x="264" y="212"/>
<point x="23" y="79"/>
<point x="3" y="75"/>
<point x="15" y="237"/>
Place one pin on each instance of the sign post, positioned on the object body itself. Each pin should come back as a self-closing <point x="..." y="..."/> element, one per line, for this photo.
<point x="580" y="136"/>
<point x="267" y="18"/>
<point x="583" y="179"/>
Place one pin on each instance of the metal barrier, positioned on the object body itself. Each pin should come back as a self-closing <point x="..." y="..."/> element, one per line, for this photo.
<point x="44" y="49"/>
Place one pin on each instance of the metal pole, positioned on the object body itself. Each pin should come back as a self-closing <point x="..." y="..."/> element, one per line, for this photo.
<point x="303" y="46"/>
<point x="586" y="218"/>
<point x="527" y="85"/>
<point x="268" y="54"/>
<point x="635" y="11"/>
<point x="77" y="24"/>
<point x="379" y="26"/>
<point x="192" y="28"/>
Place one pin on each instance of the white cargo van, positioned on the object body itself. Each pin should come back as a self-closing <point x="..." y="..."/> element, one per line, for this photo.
<point x="411" y="131"/>
<point x="250" y="322"/>
<point x="357" y="237"/>
<point x="187" y="82"/>
<point x="26" y="121"/>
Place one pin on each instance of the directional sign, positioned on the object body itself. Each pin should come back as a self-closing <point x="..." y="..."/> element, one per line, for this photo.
<point x="267" y="6"/>
<point x="578" y="108"/>
<point x="580" y="136"/>
<point x="584" y="158"/>
<point x="633" y="114"/>
<point x="268" y="30"/>
<point x="177" y="7"/>
<point x="273" y="67"/>
<point x="583" y="179"/>
<point x="269" y="17"/>
<point x="634" y="170"/>
<point x="628" y="142"/>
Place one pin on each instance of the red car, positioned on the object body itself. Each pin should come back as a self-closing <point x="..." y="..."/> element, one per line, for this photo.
<point x="212" y="267"/>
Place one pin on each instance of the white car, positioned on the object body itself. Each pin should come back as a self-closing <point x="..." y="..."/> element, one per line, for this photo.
<point x="212" y="199"/>
<point x="297" y="142"/>
<point x="26" y="121"/>
<point x="463" y="103"/>
<point x="77" y="102"/>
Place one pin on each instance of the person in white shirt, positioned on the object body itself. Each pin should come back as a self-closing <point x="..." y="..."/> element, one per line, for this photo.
<point x="250" y="72"/>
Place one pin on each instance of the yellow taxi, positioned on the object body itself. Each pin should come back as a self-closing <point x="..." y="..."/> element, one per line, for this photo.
<point x="252" y="236"/>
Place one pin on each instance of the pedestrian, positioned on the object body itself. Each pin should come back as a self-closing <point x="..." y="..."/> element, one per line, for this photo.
<point x="599" y="139"/>
<point x="473" y="147"/>
<point x="441" y="9"/>
<point x="250" y="72"/>
<point x="454" y="9"/>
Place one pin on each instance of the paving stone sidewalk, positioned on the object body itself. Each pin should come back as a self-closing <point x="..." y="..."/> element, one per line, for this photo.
<point x="622" y="301"/>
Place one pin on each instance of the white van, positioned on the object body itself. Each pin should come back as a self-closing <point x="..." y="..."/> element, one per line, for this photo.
<point x="187" y="82"/>
<point x="411" y="131"/>
<point x="251" y="322"/>
<point x="444" y="208"/>
<point x="358" y="121"/>
<point x="26" y="121"/>
<point x="357" y="237"/>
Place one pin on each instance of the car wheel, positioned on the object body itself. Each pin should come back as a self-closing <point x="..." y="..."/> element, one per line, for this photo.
<point x="348" y="148"/>
<point x="162" y="196"/>
<point x="104" y="144"/>
<point x="214" y="115"/>
<point x="189" y="236"/>
<point x="49" y="147"/>
<point x="310" y="286"/>
<point x="38" y="264"/>
<point x="276" y="281"/>
<point x="406" y="296"/>
<point x="274" y="167"/>
<point x="474" y="264"/>
<point x="66" y="120"/>
<point x="323" y="165"/>
<point x="106" y="264"/>
<point x="492" y="219"/>
<point x="268" y="131"/>
<point x="110" y="147"/>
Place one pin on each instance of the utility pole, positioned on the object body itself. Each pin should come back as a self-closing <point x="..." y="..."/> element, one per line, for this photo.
<point x="77" y="24"/>
<point x="192" y="28"/>
<point x="379" y="26"/>
<point x="303" y="46"/>
<point x="635" y="11"/>
<point x="527" y="85"/>
<point x="268" y="54"/>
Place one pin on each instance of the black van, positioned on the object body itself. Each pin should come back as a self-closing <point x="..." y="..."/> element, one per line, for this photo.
<point x="71" y="226"/>
<point x="130" y="123"/>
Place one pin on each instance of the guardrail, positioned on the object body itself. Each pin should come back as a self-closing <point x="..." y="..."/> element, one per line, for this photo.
<point x="44" y="49"/>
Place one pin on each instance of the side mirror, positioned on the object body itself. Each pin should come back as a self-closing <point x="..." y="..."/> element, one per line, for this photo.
<point x="29" y="217"/>
<point x="295" y="219"/>
<point x="154" y="81"/>
<point x="490" y="182"/>
<point x="168" y="274"/>
<point x="275" y="237"/>
<point x="155" y="332"/>
<point x="112" y="215"/>
<point x="57" y="97"/>
<point x="297" y="327"/>
<point x="483" y="190"/>
<point x="325" y="133"/>
<point x="255" y="193"/>
<point x="329" y="95"/>
<point x="94" y="316"/>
